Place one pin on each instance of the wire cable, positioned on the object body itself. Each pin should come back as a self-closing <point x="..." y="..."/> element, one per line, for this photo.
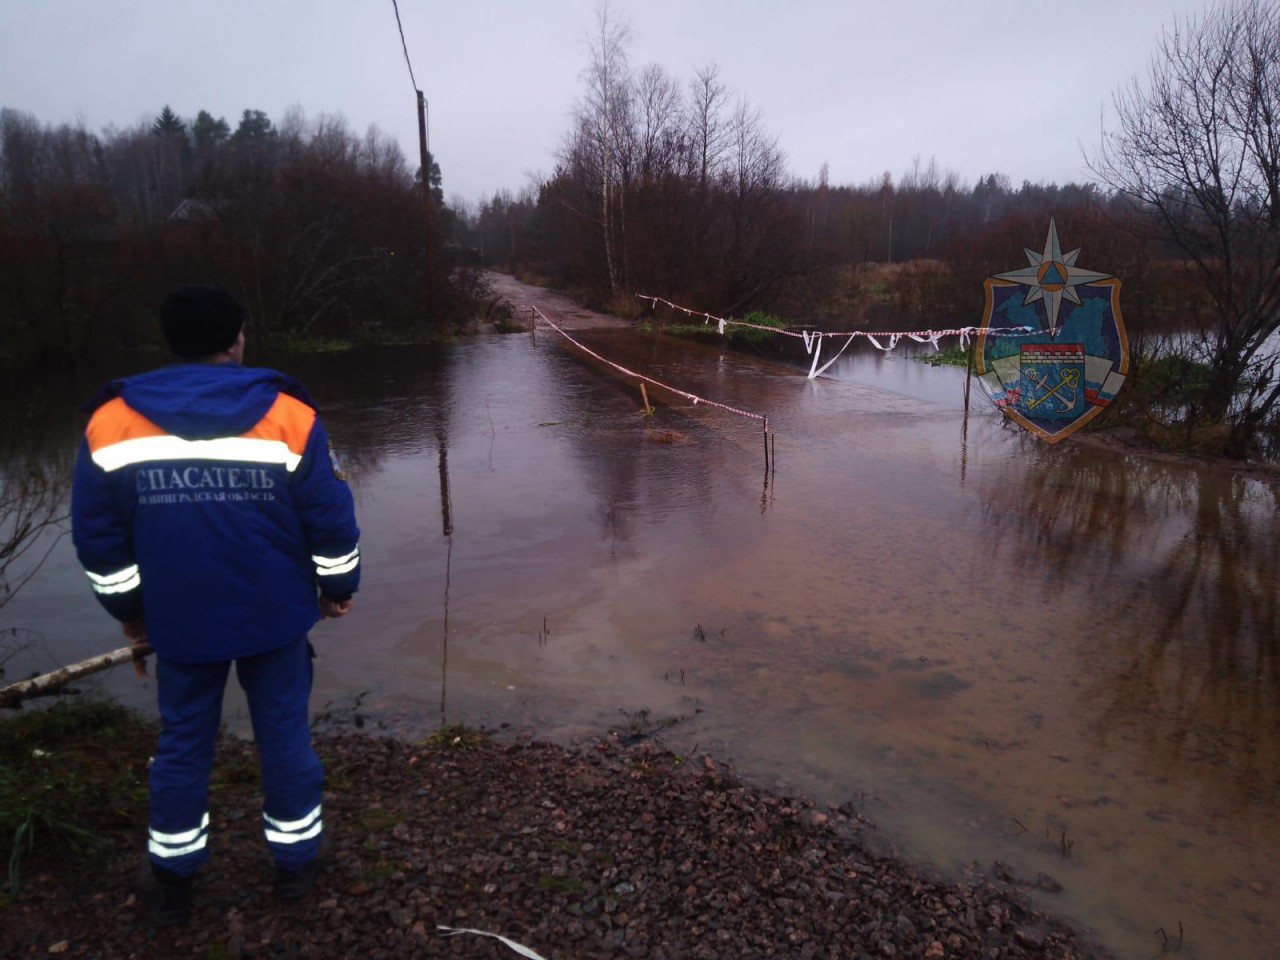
<point x="640" y="376"/>
<point x="404" y="45"/>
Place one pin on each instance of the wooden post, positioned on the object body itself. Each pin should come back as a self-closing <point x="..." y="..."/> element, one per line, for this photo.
<point x="968" y="379"/>
<point x="766" y="448"/>
<point x="446" y="501"/>
<point x="444" y="645"/>
<point x="533" y="325"/>
<point x="648" y="410"/>
<point x="424" y="154"/>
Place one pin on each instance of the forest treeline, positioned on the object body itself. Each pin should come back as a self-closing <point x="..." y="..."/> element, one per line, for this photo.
<point x="320" y="231"/>
<point x="678" y="188"/>
<point x="909" y="249"/>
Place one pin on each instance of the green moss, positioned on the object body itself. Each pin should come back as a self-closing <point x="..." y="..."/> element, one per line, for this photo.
<point x="383" y="870"/>
<point x="559" y="884"/>
<point x="66" y="720"/>
<point x="380" y="820"/>
<point x="340" y="774"/>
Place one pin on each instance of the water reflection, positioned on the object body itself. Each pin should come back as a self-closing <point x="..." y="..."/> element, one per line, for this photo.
<point x="1162" y="580"/>
<point x="446" y="530"/>
<point x="1192" y="553"/>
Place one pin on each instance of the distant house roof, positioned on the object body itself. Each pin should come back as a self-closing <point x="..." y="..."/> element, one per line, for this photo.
<point x="196" y="210"/>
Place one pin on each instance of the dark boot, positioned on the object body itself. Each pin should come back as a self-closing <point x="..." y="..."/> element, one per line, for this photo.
<point x="166" y="894"/>
<point x="296" y="884"/>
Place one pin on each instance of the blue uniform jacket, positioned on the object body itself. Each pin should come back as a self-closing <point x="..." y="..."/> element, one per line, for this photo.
<point x="206" y="500"/>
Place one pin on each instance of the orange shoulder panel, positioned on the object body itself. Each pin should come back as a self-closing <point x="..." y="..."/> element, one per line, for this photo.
<point x="289" y="419"/>
<point x="115" y="421"/>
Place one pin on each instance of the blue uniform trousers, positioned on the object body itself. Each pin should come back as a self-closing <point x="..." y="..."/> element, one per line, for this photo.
<point x="278" y="686"/>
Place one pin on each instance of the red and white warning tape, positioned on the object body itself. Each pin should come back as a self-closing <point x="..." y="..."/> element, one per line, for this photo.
<point x="813" y="338"/>
<point x="639" y="376"/>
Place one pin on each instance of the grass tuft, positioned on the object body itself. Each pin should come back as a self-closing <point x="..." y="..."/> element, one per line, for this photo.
<point x="455" y="736"/>
<point x="731" y="333"/>
<point x="70" y="777"/>
<point x="953" y="356"/>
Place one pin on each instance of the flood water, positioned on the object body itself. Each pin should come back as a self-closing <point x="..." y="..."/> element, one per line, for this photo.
<point x="1064" y="658"/>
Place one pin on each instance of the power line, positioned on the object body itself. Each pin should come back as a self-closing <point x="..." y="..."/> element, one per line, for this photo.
<point x="425" y="168"/>
<point x="404" y="45"/>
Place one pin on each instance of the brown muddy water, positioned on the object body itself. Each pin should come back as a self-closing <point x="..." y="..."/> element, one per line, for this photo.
<point x="1064" y="658"/>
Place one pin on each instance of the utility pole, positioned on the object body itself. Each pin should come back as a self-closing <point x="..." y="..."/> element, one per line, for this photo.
<point x="429" y="265"/>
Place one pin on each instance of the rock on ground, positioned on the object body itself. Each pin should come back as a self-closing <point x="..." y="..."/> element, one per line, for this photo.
<point x="598" y="851"/>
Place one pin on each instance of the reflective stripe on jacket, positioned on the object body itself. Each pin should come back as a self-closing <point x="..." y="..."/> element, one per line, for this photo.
<point x="207" y="501"/>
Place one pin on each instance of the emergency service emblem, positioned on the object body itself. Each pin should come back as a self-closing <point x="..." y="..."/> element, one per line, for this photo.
<point x="1068" y="367"/>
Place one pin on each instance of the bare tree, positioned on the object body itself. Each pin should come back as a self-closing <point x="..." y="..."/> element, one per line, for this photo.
<point x="709" y="134"/>
<point x="658" y="105"/>
<point x="32" y="501"/>
<point x="603" y="116"/>
<point x="1196" y="148"/>
<point x="383" y="158"/>
<point x="757" y="159"/>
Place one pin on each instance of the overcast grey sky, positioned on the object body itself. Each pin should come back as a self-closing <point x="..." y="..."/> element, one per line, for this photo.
<point x="985" y="86"/>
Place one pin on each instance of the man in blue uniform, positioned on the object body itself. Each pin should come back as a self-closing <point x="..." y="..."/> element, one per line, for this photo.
<point x="213" y="522"/>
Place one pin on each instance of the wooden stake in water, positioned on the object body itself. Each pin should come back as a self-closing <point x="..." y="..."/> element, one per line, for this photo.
<point x="648" y="410"/>
<point x="968" y="379"/>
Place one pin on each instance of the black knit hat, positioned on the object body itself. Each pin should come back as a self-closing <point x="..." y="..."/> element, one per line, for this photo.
<point x="200" y="319"/>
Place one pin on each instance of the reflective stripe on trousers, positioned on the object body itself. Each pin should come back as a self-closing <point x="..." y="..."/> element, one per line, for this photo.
<point x="167" y="846"/>
<point x="277" y="685"/>
<point x="290" y="832"/>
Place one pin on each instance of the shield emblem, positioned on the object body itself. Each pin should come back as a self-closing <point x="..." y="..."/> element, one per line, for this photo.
<point x="1072" y="354"/>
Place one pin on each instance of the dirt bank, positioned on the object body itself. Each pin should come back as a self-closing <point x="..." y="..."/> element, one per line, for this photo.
<point x="596" y="851"/>
<point x="1128" y="440"/>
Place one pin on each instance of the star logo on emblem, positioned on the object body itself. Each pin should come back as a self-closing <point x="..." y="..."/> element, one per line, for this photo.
<point x="1051" y="276"/>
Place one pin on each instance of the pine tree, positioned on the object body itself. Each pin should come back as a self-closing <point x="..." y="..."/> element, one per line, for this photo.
<point x="208" y="131"/>
<point x="255" y="127"/>
<point x="168" y="124"/>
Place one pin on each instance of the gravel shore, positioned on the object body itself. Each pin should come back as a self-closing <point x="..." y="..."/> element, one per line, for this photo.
<point x="596" y="851"/>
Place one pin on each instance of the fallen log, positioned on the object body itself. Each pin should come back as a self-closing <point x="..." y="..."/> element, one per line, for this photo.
<point x="13" y="695"/>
